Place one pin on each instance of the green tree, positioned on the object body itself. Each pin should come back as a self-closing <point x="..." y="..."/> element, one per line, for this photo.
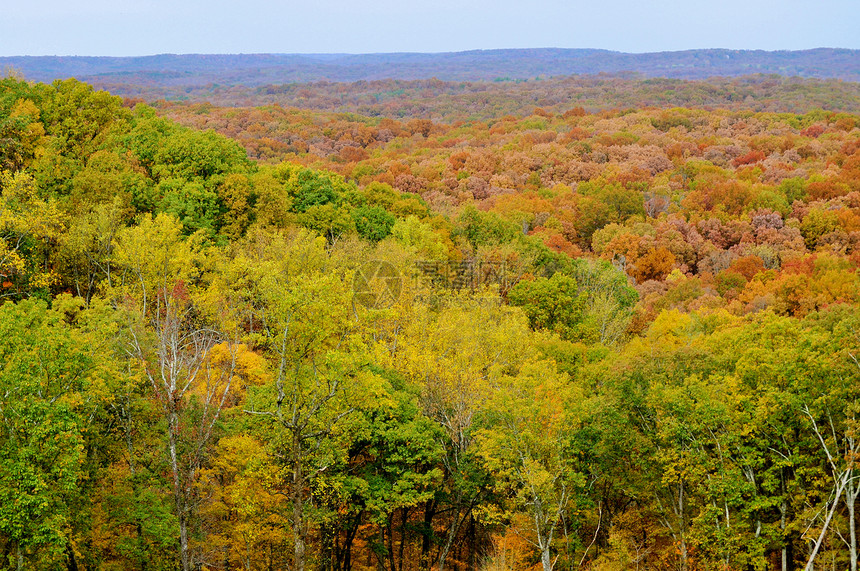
<point x="373" y="223"/>
<point x="555" y="304"/>
<point x="394" y="468"/>
<point x="484" y="228"/>
<point x="50" y="385"/>
<point x="192" y="204"/>
<point x="291" y="289"/>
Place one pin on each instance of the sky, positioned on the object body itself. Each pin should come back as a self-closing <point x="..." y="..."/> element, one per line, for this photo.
<point x="149" y="27"/>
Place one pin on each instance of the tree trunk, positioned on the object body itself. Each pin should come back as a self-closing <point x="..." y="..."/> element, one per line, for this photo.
<point x="850" y="501"/>
<point x="404" y="519"/>
<point x="683" y="554"/>
<point x="344" y="554"/>
<point x="178" y="492"/>
<point x="72" y="563"/>
<point x="784" y="551"/>
<point x="544" y="537"/>
<point x="810" y="564"/>
<point x="545" y="559"/>
<point x="298" y="534"/>
<point x="682" y="526"/>
<point x="390" y="529"/>
<point x="471" y="566"/>
<point x="298" y="508"/>
<point x="452" y="535"/>
<point x="426" y="535"/>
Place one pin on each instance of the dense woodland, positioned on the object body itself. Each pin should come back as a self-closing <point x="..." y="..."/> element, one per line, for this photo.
<point x="604" y="339"/>
<point x="251" y="70"/>
<point x="451" y="101"/>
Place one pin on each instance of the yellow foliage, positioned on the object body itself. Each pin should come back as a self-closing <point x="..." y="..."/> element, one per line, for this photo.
<point x="23" y="214"/>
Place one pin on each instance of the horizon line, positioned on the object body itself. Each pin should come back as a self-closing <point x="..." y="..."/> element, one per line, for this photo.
<point x="477" y="50"/>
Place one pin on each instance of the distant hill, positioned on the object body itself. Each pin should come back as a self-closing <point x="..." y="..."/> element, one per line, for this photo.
<point x="265" y="69"/>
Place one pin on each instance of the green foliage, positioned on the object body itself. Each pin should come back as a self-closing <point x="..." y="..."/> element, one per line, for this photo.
<point x="610" y="300"/>
<point x="816" y="224"/>
<point x="190" y="155"/>
<point x="77" y="117"/>
<point x="328" y="220"/>
<point x="372" y="222"/>
<point x="485" y="228"/>
<point x="107" y="176"/>
<point x="309" y="188"/>
<point x="414" y="233"/>
<point x="793" y="189"/>
<point x="404" y="453"/>
<point x="192" y="204"/>
<point x="668" y="122"/>
<point x="555" y="304"/>
<point x="49" y="385"/>
<point x="621" y="202"/>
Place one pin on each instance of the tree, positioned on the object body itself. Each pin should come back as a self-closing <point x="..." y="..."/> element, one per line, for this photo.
<point x="173" y="343"/>
<point x="21" y="133"/>
<point x="394" y="467"/>
<point x="50" y="387"/>
<point x="609" y="308"/>
<point x="654" y="265"/>
<point x="28" y="227"/>
<point x="555" y="304"/>
<point x="456" y="355"/>
<point x="831" y="403"/>
<point x="192" y="204"/>
<point x="319" y="364"/>
<point x="372" y="222"/>
<point x="525" y="440"/>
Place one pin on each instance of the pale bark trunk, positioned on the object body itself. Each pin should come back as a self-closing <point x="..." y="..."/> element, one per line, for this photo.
<point x="683" y="555"/>
<point x="850" y="499"/>
<point x="784" y="552"/>
<point x="545" y="559"/>
<point x="298" y="533"/>
<point x="811" y="563"/>
<point x="683" y="526"/>
<point x="298" y="507"/>
<point x="178" y="492"/>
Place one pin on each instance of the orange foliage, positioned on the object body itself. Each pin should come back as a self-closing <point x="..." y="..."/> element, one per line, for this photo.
<point x="751" y="157"/>
<point x="654" y="265"/>
<point x="560" y="244"/>
<point x="747" y="266"/>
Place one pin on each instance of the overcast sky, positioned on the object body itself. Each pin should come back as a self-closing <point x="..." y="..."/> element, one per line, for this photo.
<point x="147" y="27"/>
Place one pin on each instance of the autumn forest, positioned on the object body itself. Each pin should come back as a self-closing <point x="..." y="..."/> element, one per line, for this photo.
<point x="593" y="322"/>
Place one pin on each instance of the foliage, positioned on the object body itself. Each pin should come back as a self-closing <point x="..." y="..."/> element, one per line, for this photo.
<point x="617" y="339"/>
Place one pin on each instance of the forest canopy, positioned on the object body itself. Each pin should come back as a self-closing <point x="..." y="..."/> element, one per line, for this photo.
<point x="279" y="338"/>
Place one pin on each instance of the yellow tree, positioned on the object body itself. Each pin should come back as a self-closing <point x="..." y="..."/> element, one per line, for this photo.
<point x="526" y="442"/>
<point x="298" y="308"/>
<point x="27" y="222"/>
<point x="457" y="353"/>
<point x="160" y="286"/>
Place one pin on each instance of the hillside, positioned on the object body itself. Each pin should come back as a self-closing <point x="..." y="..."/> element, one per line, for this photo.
<point x="448" y="101"/>
<point x="280" y="338"/>
<point x="480" y="65"/>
